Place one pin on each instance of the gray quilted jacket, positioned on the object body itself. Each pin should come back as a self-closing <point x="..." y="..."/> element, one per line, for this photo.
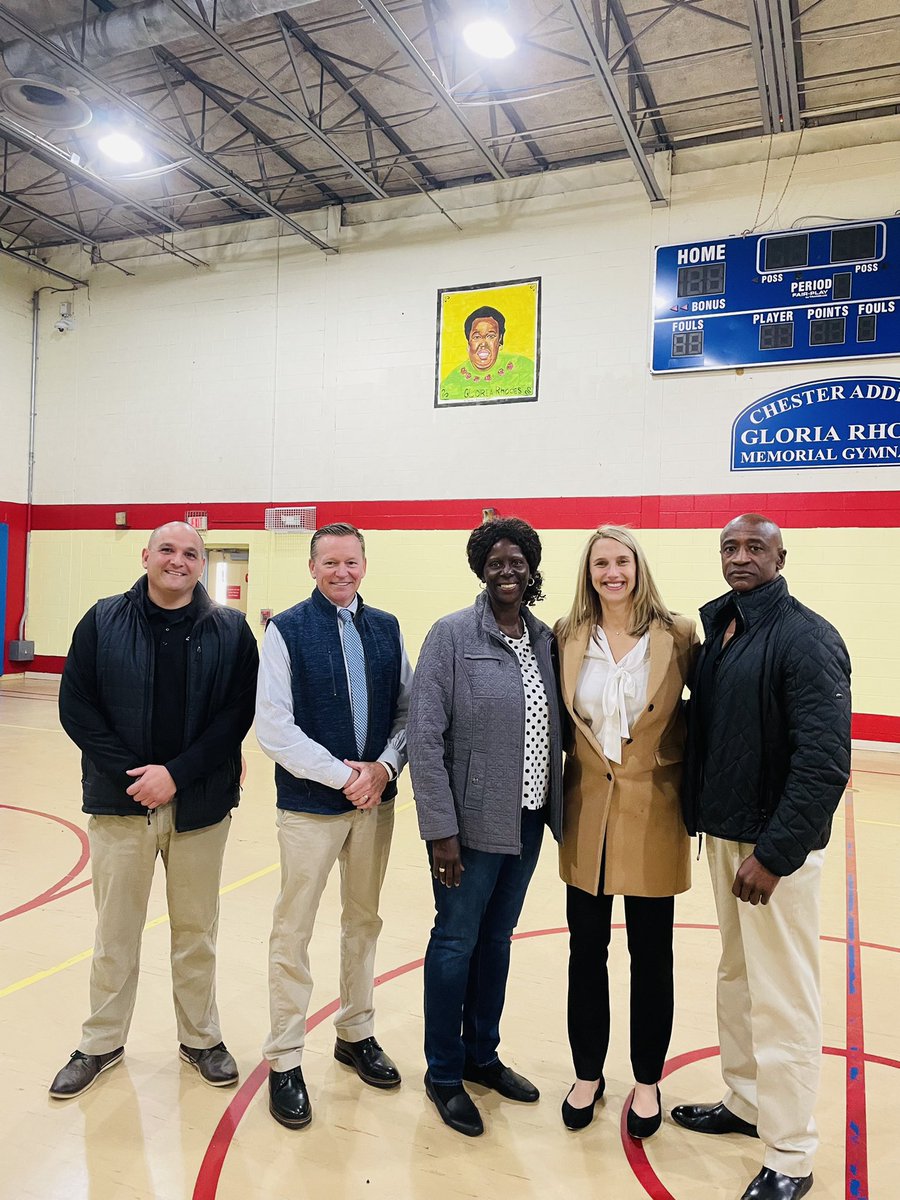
<point x="770" y="763"/>
<point x="466" y="730"/>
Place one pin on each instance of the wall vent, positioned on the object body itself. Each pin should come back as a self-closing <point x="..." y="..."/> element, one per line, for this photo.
<point x="291" y="520"/>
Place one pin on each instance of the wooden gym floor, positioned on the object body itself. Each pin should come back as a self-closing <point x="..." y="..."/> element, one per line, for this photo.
<point x="152" y="1130"/>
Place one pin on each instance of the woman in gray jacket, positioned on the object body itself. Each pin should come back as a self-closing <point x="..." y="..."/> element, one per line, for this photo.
<point x="485" y="754"/>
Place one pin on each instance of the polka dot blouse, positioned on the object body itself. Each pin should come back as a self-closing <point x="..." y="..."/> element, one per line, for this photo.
<point x="536" y="776"/>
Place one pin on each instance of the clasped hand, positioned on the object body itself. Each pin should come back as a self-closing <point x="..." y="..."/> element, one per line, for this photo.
<point x="153" y="785"/>
<point x="368" y="781"/>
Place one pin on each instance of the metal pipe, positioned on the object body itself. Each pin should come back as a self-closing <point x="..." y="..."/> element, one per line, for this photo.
<point x="32" y="415"/>
<point x="121" y="31"/>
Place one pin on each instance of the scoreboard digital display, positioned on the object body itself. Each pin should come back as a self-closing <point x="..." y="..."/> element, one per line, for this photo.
<point x="806" y="295"/>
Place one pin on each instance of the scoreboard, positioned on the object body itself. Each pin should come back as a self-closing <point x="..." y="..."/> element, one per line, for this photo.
<point x="805" y="295"/>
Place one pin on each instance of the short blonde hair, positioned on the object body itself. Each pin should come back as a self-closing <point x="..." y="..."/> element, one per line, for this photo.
<point x="587" y="608"/>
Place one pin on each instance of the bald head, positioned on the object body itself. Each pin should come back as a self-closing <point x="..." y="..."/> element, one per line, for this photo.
<point x="752" y="552"/>
<point x="177" y="529"/>
<point x="173" y="560"/>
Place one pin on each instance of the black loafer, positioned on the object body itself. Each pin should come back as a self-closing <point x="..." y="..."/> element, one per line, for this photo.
<point x="771" y="1185"/>
<point x="455" y="1107"/>
<point x="369" y="1061"/>
<point x="580" y="1118"/>
<point x="504" y="1080"/>
<point x="711" y="1118"/>
<point x="288" y="1099"/>
<point x="643" y="1127"/>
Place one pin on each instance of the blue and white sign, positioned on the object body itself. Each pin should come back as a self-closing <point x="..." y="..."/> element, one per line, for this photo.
<point x="827" y="423"/>
<point x="805" y="295"/>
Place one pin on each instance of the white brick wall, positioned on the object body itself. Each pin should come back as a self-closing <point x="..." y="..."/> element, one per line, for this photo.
<point x="280" y="373"/>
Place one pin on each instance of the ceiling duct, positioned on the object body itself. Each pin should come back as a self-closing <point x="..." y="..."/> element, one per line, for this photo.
<point x="41" y="91"/>
<point x="39" y="101"/>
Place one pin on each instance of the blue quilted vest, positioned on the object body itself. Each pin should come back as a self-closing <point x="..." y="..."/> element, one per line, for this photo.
<point x="322" y="698"/>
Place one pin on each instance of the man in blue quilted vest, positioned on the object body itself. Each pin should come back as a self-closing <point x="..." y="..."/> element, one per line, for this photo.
<point x="157" y="693"/>
<point x="767" y="761"/>
<point x="331" y="711"/>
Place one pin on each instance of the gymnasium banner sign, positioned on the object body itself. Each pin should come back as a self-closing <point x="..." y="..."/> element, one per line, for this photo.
<point x="847" y="422"/>
<point x="488" y="343"/>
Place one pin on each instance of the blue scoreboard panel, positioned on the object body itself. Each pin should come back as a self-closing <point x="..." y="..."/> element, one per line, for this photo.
<point x="808" y="295"/>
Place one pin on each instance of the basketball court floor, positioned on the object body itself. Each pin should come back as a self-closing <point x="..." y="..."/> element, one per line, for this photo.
<point x="150" y="1129"/>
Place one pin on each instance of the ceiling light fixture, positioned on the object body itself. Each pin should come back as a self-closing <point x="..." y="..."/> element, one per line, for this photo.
<point x="489" y="38"/>
<point x="120" y="147"/>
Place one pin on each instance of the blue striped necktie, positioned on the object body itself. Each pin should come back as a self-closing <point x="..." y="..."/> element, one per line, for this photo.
<point x="356" y="669"/>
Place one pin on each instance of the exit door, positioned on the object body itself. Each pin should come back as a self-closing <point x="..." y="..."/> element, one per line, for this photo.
<point x="227" y="576"/>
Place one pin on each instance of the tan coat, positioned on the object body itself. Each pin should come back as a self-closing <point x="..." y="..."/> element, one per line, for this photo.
<point x="632" y="808"/>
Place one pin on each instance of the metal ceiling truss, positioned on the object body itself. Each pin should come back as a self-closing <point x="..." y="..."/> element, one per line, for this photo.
<point x="371" y="185"/>
<point x="386" y="22"/>
<point x="772" y="42"/>
<point x="232" y="110"/>
<point x="602" y="71"/>
<point x="149" y="121"/>
<point x="637" y="70"/>
<point x="293" y="32"/>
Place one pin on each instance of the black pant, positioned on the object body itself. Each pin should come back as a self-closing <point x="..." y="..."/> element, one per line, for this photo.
<point x="649" y="922"/>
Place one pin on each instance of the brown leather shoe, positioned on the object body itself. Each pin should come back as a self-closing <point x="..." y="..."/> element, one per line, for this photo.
<point x="80" y="1072"/>
<point x="215" y="1065"/>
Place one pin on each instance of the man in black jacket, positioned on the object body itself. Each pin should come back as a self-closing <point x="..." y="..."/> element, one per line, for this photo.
<point x="767" y="761"/>
<point x="158" y="693"/>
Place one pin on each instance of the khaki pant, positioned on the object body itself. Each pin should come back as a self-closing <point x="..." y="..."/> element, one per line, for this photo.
<point x="310" y="845"/>
<point x="769" y="1010"/>
<point x="123" y="859"/>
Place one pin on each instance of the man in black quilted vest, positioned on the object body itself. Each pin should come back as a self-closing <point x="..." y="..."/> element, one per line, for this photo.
<point x="767" y="761"/>
<point x="157" y="693"/>
<point x="331" y="711"/>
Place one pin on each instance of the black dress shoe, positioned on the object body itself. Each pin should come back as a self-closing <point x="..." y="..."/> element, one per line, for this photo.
<point x="288" y="1099"/>
<point x="504" y="1080"/>
<point x="711" y="1118"/>
<point x="643" y="1127"/>
<point x="771" y="1185"/>
<point x="80" y="1072"/>
<point x="215" y="1065"/>
<point x="455" y="1107"/>
<point x="369" y="1061"/>
<point x="580" y="1118"/>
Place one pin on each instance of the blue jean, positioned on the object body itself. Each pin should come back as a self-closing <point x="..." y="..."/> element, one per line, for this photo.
<point x="467" y="960"/>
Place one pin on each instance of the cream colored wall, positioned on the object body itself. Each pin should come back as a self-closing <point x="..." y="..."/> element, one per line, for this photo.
<point x="850" y="576"/>
<point x="16" y="287"/>
<point x="278" y="373"/>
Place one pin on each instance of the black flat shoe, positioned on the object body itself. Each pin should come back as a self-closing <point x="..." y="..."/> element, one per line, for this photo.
<point x="455" y="1107"/>
<point x="503" y="1080"/>
<point x="580" y="1118"/>
<point x="643" y="1127"/>
<point x="711" y="1118"/>
<point x="772" y="1185"/>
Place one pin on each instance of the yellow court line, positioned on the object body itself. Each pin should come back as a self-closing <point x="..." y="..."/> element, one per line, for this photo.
<point x="77" y="958"/>
<point x="85" y="954"/>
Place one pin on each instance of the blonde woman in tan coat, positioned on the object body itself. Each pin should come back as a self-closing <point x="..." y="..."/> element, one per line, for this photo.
<point x="624" y="660"/>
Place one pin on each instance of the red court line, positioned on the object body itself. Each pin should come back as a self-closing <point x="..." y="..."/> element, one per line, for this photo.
<point x="56" y="891"/>
<point x="209" y="1173"/>
<point x="856" y="1148"/>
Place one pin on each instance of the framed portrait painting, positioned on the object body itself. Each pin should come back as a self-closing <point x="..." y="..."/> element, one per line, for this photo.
<point x="488" y="343"/>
